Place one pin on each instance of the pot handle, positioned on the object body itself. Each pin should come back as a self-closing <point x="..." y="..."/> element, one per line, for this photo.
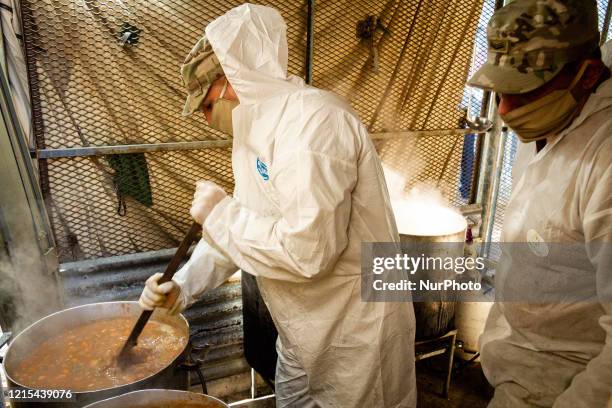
<point x="195" y="364"/>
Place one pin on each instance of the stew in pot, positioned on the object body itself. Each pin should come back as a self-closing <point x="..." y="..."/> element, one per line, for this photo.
<point x="85" y="358"/>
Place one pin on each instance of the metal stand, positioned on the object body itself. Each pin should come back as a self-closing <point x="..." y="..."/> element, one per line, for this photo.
<point x="434" y="347"/>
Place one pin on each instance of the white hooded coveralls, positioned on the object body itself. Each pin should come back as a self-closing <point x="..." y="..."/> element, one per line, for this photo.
<point x="559" y="354"/>
<point x="309" y="189"/>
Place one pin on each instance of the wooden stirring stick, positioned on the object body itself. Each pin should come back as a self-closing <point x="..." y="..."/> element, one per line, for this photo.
<point x="172" y="267"/>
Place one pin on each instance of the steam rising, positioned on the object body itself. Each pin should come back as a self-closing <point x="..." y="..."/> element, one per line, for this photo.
<point x="422" y="210"/>
<point x="27" y="290"/>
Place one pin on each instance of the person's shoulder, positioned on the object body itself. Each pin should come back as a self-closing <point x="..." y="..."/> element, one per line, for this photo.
<point x="594" y="140"/>
<point x="591" y="132"/>
<point x="321" y="122"/>
<point x="319" y="103"/>
<point x="598" y="133"/>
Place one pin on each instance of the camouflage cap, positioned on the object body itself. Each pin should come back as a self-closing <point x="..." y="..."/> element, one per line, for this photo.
<point x="529" y="41"/>
<point x="200" y="69"/>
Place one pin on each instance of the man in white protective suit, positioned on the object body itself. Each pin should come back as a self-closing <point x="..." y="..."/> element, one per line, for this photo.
<point x="309" y="189"/>
<point x="548" y="338"/>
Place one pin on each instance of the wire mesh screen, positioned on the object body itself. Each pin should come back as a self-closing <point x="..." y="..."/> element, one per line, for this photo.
<point x="403" y="65"/>
<point x="105" y="73"/>
<point x="437" y="160"/>
<point x="604" y="11"/>
<point x="87" y="217"/>
<point x="473" y="97"/>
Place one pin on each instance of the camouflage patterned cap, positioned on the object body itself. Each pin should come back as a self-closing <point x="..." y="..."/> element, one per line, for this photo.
<point x="529" y="41"/>
<point x="200" y="69"/>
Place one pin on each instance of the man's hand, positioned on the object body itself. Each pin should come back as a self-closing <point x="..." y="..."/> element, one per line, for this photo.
<point x="206" y="197"/>
<point x="165" y="295"/>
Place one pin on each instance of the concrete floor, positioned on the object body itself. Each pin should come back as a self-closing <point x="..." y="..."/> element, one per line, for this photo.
<point x="469" y="388"/>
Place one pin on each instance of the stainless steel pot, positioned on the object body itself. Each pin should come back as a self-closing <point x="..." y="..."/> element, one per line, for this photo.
<point x="147" y="398"/>
<point x="436" y="317"/>
<point x="173" y="376"/>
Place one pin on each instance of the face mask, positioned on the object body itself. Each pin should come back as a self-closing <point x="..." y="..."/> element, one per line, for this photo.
<point x="221" y="116"/>
<point x="546" y="116"/>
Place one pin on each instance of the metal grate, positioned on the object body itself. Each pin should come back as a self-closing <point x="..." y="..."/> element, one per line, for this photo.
<point x="604" y="10"/>
<point x="94" y="91"/>
<point x="407" y="72"/>
<point x="473" y="97"/>
<point x="105" y="73"/>
<point x="435" y="159"/>
<point x="423" y="52"/>
<point x="86" y="219"/>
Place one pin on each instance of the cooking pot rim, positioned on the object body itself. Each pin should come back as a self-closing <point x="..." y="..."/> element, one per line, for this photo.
<point x="54" y="314"/>
<point x="463" y="231"/>
<point x="149" y="390"/>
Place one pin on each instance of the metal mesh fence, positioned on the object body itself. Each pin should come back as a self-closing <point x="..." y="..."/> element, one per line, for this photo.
<point x="604" y="11"/>
<point x="105" y="73"/>
<point x="403" y="66"/>
<point x="87" y="217"/>
<point x="436" y="160"/>
<point x="94" y="90"/>
<point x="410" y="74"/>
<point x="472" y="97"/>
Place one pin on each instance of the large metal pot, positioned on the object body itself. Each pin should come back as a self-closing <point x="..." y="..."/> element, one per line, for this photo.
<point x="173" y="376"/>
<point x="446" y="238"/>
<point x="148" y="398"/>
<point x="436" y="317"/>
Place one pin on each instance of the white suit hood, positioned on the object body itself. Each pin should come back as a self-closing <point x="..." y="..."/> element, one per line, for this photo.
<point x="251" y="44"/>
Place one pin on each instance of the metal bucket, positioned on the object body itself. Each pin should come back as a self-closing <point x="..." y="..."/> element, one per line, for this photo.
<point x="173" y="376"/>
<point x="436" y="317"/>
<point x="155" y="398"/>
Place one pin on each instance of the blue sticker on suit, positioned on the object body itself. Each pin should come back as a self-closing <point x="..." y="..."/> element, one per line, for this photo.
<point x="262" y="169"/>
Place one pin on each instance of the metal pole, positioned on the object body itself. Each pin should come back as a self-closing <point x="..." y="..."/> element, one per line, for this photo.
<point x="309" y="40"/>
<point x="606" y="24"/>
<point x="494" y="192"/>
<point x="21" y="149"/>
<point x="133" y="148"/>
<point x="451" y="359"/>
<point x="486" y="97"/>
<point x="253" y="385"/>
<point x="207" y="144"/>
